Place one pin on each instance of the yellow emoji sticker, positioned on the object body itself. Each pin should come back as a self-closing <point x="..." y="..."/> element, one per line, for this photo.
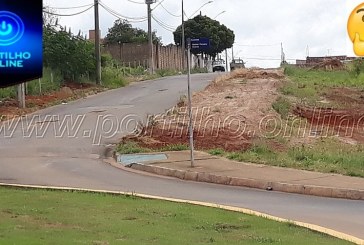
<point x="356" y="29"/>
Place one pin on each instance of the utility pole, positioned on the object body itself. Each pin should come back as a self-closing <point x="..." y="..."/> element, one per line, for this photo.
<point x="21" y="95"/>
<point x="232" y="52"/>
<point x="183" y="37"/>
<point x="190" y="103"/>
<point x="150" y="37"/>
<point x="226" y="60"/>
<point x="97" y="43"/>
<point x="283" y="56"/>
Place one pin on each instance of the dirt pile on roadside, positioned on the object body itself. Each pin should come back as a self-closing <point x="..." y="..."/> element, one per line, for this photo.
<point x="344" y="120"/>
<point x="258" y="74"/>
<point x="347" y="97"/>
<point x="228" y="114"/>
<point x="157" y="137"/>
<point x="330" y="65"/>
<point x="9" y="108"/>
<point x="251" y="74"/>
<point x="332" y="117"/>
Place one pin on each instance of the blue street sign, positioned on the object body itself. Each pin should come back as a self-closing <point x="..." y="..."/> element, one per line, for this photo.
<point x="200" y="43"/>
<point x="21" y="28"/>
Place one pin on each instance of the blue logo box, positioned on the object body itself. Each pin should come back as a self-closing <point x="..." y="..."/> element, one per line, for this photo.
<point x="21" y="50"/>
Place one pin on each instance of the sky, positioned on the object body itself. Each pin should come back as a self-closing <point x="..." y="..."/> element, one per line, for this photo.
<point x="314" y="27"/>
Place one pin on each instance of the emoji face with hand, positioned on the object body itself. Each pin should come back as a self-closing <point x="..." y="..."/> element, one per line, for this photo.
<point x="356" y="29"/>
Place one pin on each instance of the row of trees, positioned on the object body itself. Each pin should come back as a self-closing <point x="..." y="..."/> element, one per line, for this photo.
<point x="220" y="36"/>
<point x="200" y="26"/>
<point x="124" y="32"/>
<point x="73" y="56"/>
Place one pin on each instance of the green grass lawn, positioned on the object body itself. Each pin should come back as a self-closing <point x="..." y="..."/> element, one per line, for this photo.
<point x="55" y="217"/>
<point x="325" y="156"/>
<point x="309" y="85"/>
<point x="131" y="147"/>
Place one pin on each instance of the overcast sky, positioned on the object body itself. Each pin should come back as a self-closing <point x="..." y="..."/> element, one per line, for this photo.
<point x="314" y="26"/>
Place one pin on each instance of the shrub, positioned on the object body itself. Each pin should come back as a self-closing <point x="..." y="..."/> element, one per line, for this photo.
<point x="113" y="77"/>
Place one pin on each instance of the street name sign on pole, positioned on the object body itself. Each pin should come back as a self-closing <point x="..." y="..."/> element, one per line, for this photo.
<point x="196" y="44"/>
<point x="200" y="44"/>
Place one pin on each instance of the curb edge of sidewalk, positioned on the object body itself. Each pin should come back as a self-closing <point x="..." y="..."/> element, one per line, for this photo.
<point x="312" y="190"/>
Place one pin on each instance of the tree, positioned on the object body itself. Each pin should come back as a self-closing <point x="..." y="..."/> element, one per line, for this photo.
<point x="124" y="32"/>
<point x="49" y="19"/>
<point x="71" y="55"/>
<point x="220" y="36"/>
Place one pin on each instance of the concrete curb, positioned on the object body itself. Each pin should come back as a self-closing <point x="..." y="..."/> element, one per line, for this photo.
<point x="312" y="227"/>
<point x="312" y="190"/>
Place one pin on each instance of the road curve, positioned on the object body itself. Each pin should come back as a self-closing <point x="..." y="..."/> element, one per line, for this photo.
<point x="64" y="145"/>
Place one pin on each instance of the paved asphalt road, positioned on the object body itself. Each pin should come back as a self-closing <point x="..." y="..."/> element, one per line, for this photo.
<point x="64" y="146"/>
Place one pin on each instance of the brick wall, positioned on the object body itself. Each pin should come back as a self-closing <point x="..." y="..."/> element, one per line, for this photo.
<point x="315" y="60"/>
<point x="165" y="57"/>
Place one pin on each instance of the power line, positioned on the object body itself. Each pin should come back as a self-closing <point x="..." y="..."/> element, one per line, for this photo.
<point x="120" y="16"/>
<point x="184" y="13"/>
<point x="131" y="21"/>
<point x="264" y="59"/>
<point x="174" y="15"/>
<point x="75" y="7"/>
<point x="257" y="58"/>
<point x="161" y="24"/>
<point x="135" y="2"/>
<point x="164" y="25"/>
<point x="257" y="45"/>
<point x="260" y="56"/>
<point x="81" y="12"/>
<point x="158" y="5"/>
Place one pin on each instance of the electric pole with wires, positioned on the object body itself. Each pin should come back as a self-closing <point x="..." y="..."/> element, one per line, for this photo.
<point x="183" y="45"/>
<point x="283" y="56"/>
<point x="97" y="43"/>
<point x="150" y="36"/>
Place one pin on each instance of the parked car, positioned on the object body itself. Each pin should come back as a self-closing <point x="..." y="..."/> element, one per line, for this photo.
<point x="237" y="64"/>
<point x="218" y="65"/>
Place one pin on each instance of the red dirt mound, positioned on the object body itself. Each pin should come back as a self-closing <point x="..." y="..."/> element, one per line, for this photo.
<point x="9" y="108"/>
<point x="155" y="138"/>
<point x="329" y="65"/>
<point x="331" y="117"/>
<point x="74" y="85"/>
<point x="343" y="123"/>
<point x="257" y="74"/>
<point x="346" y="96"/>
